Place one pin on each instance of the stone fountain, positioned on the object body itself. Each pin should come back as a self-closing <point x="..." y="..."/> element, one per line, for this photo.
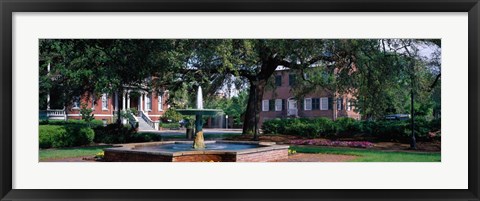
<point x="201" y="151"/>
<point x="198" y="142"/>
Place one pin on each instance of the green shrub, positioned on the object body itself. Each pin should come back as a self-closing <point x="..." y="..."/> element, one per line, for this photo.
<point x="310" y="128"/>
<point x="145" y="137"/>
<point x="93" y="123"/>
<point x="172" y="114"/>
<point x="64" y="136"/>
<point x="273" y="126"/>
<point x="346" y="127"/>
<point x="49" y="135"/>
<point x="170" y="125"/>
<point x="134" y="111"/>
<point x="113" y="133"/>
<point x="86" y="113"/>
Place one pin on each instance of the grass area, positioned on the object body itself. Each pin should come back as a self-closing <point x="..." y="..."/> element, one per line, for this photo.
<point x="170" y="125"/>
<point x="46" y="154"/>
<point x="366" y="155"/>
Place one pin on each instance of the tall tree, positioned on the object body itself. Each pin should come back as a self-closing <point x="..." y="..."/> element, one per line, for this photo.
<point x="252" y="61"/>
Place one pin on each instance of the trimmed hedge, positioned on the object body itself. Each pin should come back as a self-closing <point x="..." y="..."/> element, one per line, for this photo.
<point x="113" y="134"/>
<point x="347" y="128"/>
<point x="93" y="123"/>
<point x="55" y="136"/>
<point x="173" y="125"/>
<point x="118" y="133"/>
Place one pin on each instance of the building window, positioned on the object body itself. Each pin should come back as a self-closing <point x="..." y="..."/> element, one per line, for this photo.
<point x="160" y="105"/>
<point x="265" y="105"/>
<point x="76" y="102"/>
<point x="291" y="79"/>
<point x="148" y="102"/>
<point x="324" y="103"/>
<point x="104" y="102"/>
<point x="93" y="102"/>
<point x="278" y="80"/>
<point x="315" y="103"/>
<point x="349" y="105"/>
<point x="278" y="105"/>
<point x="307" y="103"/>
<point x="340" y="104"/>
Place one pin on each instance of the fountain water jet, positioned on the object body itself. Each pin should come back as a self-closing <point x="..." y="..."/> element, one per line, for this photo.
<point x="198" y="142"/>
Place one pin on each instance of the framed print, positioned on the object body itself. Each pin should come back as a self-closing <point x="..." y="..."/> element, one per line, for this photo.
<point x="264" y="100"/>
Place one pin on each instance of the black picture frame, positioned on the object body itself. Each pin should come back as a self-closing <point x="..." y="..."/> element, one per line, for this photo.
<point x="7" y="7"/>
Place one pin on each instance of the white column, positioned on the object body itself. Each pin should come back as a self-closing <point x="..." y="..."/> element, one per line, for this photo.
<point x="116" y="101"/>
<point x="48" y="95"/>
<point x="123" y="98"/>
<point x="128" y="99"/>
<point x="145" y="102"/>
<point x="141" y="108"/>
<point x="48" y="101"/>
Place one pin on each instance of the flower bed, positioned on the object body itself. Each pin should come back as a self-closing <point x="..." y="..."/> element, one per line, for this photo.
<point x="323" y="142"/>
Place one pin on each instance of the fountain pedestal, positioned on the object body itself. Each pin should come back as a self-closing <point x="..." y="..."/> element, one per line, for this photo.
<point x="199" y="142"/>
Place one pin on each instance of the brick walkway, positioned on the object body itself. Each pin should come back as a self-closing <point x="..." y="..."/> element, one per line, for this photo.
<point x="300" y="157"/>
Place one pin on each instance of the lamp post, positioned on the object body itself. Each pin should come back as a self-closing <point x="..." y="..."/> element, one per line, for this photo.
<point x="226" y="121"/>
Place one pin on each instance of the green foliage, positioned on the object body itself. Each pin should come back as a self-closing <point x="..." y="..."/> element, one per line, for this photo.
<point x="93" y="123"/>
<point x="86" y="113"/>
<point x="172" y="114"/>
<point x="133" y="111"/>
<point x="113" y="134"/>
<point x="118" y="133"/>
<point x="172" y="125"/>
<point x="347" y="128"/>
<point x="190" y="122"/>
<point x="64" y="136"/>
<point x="145" y="137"/>
<point x="300" y="126"/>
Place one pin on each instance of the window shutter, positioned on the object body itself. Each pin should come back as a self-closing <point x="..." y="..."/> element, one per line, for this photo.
<point x="346" y="104"/>
<point x="330" y="103"/>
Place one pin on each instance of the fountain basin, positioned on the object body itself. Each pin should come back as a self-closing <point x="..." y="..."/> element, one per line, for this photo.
<point x="181" y="151"/>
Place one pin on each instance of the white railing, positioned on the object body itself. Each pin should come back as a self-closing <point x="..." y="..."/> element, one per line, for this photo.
<point x="132" y="119"/>
<point x="292" y="112"/>
<point x="52" y="114"/>
<point x="150" y="122"/>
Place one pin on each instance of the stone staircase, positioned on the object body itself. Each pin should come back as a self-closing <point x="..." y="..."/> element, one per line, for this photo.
<point x="143" y="126"/>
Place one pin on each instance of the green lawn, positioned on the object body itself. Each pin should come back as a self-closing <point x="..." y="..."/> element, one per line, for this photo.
<point x="46" y="154"/>
<point x="366" y="155"/>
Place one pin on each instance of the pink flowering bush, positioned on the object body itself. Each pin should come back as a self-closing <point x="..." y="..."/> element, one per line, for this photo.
<point x="321" y="142"/>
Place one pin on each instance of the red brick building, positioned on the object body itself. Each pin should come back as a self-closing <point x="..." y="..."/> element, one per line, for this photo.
<point x="280" y="102"/>
<point x="150" y="106"/>
<point x="146" y="106"/>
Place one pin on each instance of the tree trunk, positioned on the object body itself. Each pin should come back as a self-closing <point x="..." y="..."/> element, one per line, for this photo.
<point x="255" y="96"/>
